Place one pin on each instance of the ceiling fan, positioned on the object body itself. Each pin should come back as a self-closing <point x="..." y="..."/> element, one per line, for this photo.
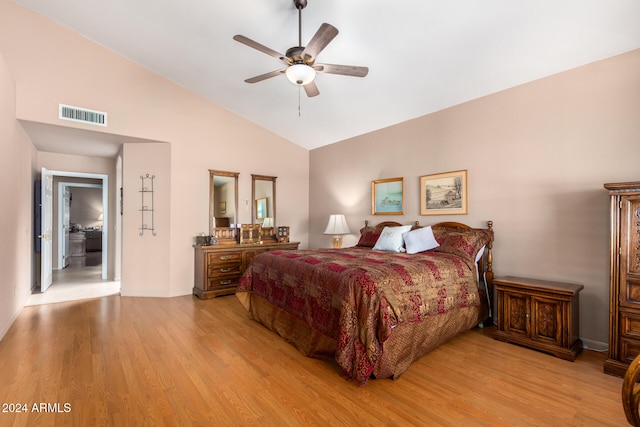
<point x="300" y="60"/>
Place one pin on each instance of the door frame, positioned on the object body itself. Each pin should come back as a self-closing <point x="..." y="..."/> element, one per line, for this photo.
<point x="62" y="185"/>
<point x="105" y="207"/>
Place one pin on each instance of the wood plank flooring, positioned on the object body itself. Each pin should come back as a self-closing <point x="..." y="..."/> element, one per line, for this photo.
<point x="182" y="361"/>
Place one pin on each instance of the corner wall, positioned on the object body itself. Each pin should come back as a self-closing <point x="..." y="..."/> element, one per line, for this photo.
<point x="537" y="157"/>
<point x="17" y="173"/>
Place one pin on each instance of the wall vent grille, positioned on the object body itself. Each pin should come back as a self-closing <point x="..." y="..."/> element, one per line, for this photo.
<point x="82" y="115"/>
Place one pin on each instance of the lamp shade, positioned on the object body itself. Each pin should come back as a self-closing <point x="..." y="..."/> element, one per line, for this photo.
<point x="337" y="225"/>
<point x="268" y="222"/>
<point x="300" y="74"/>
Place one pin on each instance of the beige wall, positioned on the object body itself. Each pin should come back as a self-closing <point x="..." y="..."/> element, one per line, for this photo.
<point x="146" y="258"/>
<point x="52" y="65"/>
<point x="17" y="173"/>
<point x="537" y="156"/>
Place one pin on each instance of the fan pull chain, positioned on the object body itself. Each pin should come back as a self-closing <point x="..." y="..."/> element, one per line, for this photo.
<point x="299" y="110"/>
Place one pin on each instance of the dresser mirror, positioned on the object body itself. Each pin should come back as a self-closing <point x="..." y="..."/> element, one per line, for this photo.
<point x="223" y="202"/>
<point x="263" y="208"/>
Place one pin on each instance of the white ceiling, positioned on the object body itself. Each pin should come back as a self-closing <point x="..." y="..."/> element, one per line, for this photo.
<point x="423" y="56"/>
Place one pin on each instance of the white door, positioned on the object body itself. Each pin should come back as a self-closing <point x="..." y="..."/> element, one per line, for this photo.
<point x="46" y="216"/>
<point x="66" y="206"/>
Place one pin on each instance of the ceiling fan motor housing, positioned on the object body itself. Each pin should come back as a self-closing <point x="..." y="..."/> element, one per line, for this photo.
<point x="295" y="54"/>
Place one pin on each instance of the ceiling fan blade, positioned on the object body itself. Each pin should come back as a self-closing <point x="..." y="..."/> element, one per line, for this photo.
<point x="311" y="89"/>
<point x="262" y="48"/>
<point x="264" y="76"/>
<point x="345" y="70"/>
<point x="320" y="40"/>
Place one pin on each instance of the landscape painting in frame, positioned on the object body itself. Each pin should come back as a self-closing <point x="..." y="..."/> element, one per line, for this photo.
<point x="387" y="196"/>
<point x="443" y="193"/>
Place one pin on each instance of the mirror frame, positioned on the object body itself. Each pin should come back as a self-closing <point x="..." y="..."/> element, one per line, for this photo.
<point x="272" y="179"/>
<point x="212" y="206"/>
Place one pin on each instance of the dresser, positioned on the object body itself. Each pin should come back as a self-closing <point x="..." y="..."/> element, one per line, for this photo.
<point x="624" y="277"/>
<point x="94" y="240"/>
<point x="539" y="314"/>
<point x="77" y="250"/>
<point x="218" y="268"/>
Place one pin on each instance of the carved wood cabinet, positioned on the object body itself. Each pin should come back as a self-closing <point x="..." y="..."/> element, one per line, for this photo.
<point x="218" y="268"/>
<point x="624" y="277"/>
<point x="539" y="314"/>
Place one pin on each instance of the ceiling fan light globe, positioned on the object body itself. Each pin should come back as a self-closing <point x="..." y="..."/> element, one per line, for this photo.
<point x="300" y="74"/>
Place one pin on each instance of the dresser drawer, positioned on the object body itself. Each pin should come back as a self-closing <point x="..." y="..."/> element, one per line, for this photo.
<point x="223" y="269"/>
<point x="224" y="258"/>
<point x="630" y="325"/>
<point x="629" y="349"/>
<point x="630" y="292"/>
<point x="222" y="282"/>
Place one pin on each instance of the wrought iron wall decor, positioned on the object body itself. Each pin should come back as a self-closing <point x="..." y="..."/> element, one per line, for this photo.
<point x="146" y="207"/>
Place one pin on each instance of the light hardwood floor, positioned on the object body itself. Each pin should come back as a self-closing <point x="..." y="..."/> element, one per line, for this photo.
<point x="182" y="361"/>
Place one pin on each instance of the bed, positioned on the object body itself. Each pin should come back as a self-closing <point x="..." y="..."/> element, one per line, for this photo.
<point x="380" y="305"/>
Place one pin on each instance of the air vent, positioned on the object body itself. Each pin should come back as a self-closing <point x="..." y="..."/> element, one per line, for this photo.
<point x="82" y="115"/>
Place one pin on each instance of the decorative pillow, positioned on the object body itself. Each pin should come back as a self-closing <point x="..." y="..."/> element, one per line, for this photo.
<point x="461" y="242"/>
<point x="368" y="239"/>
<point x="391" y="239"/>
<point x="480" y="253"/>
<point x="420" y="239"/>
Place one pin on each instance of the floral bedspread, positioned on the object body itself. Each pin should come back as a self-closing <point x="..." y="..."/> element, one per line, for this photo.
<point x="357" y="296"/>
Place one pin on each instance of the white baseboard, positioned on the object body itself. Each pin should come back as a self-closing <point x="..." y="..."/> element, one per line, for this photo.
<point x="595" y="345"/>
<point x="6" y="326"/>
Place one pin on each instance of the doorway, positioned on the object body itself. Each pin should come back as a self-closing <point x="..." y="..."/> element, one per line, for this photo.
<point x="80" y="221"/>
<point x="86" y="275"/>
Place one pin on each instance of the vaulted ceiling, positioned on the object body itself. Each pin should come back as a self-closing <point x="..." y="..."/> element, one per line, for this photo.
<point x="423" y="56"/>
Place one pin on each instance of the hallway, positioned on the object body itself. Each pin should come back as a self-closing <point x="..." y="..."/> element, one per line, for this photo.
<point x="71" y="284"/>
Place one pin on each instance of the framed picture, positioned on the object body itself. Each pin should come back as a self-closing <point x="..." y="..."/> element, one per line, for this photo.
<point x="444" y="193"/>
<point x="223" y="207"/>
<point x="387" y="196"/>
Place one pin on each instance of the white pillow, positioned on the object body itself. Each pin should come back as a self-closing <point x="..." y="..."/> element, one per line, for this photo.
<point x="420" y="239"/>
<point x="391" y="239"/>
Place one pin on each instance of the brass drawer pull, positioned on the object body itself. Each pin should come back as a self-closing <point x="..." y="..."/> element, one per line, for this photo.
<point x="225" y="257"/>
<point x="225" y="282"/>
<point x="225" y="270"/>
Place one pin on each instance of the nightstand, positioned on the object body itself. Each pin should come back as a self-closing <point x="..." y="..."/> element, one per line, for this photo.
<point x="539" y="314"/>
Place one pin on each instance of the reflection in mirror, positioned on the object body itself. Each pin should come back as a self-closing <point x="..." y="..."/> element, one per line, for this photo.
<point x="223" y="199"/>
<point x="263" y="193"/>
<point x="261" y="209"/>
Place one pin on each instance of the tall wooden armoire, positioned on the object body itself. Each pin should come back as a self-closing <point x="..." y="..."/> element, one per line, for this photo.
<point x="624" y="286"/>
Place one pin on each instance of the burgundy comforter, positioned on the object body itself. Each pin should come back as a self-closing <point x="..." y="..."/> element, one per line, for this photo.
<point x="358" y="296"/>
